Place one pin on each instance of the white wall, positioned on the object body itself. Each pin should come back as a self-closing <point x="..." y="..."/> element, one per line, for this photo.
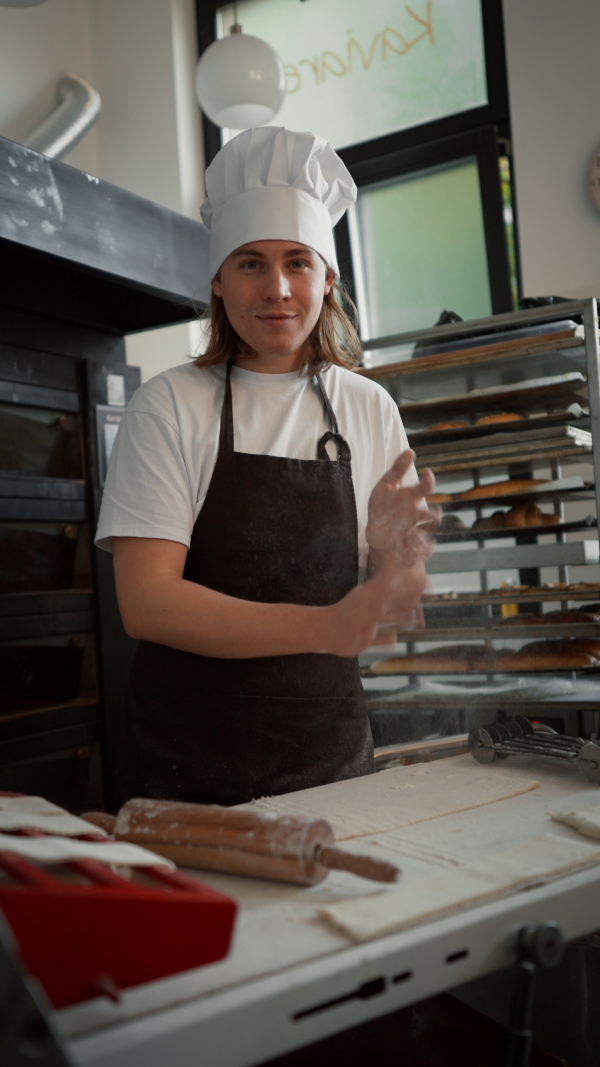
<point x="552" y="49"/>
<point x="140" y="55"/>
<point x="37" y="46"/>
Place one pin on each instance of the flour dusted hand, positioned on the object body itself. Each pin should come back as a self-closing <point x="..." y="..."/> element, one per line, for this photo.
<point x="393" y="594"/>
<point x="397" y="512"/>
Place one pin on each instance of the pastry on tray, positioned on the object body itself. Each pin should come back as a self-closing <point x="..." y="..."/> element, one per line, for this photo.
<point x="456" y="425"/>
<point x="500" y="416"/>
<point x="485" y="420"/>
<point x="572" y="616"/>
<point x="567" y="654"/>
<point x="521" y="515"/>
<point x="480" y="492"/>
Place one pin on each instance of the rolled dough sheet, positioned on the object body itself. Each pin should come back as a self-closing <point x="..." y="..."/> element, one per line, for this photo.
<point x="390" y="800"/>
<point x="586" y="820"/>
<point x="435" y="896"/>
<point x="34" y="805"/>
<point x="64" y="825"/>
<point x="24" y="812"/>
<point x="62" y="850"/>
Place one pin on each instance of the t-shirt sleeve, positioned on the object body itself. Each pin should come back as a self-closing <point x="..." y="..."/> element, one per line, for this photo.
<point x="147" y="491"/>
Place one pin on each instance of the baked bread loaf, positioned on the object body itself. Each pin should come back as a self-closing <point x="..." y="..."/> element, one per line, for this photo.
<point x="439" y="498"/>
<point x="459" y="425"/>
<point x="567" y="654"/>
<point x="572" y="616"/>
<point x="497" y="521"/>
<point x="516" y="485"/>
<point x="543" y="659"/>
<point x="521" y="515"/>
<point x="448" y="659"/>
<point x="501" y="416"/>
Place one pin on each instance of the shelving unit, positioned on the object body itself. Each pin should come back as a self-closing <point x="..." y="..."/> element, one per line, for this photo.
<point x="462" y="374"/>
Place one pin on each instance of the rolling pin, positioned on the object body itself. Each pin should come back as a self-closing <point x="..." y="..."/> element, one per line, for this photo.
<point x="261" y="844"/>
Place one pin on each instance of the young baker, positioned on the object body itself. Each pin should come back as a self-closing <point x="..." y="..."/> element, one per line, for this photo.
<point x="245" y="495"/>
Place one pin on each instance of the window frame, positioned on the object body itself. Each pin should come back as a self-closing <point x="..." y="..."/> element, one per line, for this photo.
<point x="495" y="112"/>
<point x="481" y="144"/>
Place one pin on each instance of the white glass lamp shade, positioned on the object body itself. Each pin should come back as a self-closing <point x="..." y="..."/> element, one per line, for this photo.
<point x="240" y="82"/>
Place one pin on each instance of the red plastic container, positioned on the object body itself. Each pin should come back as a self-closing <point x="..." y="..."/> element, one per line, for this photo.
<point x="108" y="933"/>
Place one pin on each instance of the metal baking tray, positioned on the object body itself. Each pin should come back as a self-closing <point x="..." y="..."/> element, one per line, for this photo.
<point x="497" y="449"/>
<point x="513" y="459"/>
<point x="523" y="437"/>
<point x="541" y="394"/>
<point x="576" y="417"/>
<point x="496" y="632"/>
<point x="517" y="672"/>
<point x="589" y="523"/>
<point x="512" y="596"/>
<point x="567" y="489"/>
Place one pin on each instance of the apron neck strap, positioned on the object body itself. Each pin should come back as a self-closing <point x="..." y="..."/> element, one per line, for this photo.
<point x="326" y="401"/>
<point x="226" y="443"/>
<point x="343" y="448"/>
<point x="226" y="431"/>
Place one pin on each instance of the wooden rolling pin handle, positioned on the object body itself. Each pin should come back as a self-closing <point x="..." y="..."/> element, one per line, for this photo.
<point x="364" y="866"/>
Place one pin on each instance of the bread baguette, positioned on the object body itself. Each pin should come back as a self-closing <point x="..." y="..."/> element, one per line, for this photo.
<point x="572" y="616"/>
<point x="517" y="485"/>
<point x="546" y="660"/>
<point x="449" y="425"/>
<point x="501" y="416"/>
<point x="448" y="659"/>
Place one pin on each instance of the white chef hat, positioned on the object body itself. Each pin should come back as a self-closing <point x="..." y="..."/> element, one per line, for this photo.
<point x="270" y="183"/>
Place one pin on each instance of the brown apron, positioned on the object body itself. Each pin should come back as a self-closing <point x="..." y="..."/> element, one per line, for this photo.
<point x="223" y="731"/>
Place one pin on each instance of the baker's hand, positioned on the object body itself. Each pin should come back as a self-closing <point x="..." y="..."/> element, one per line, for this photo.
<point x="351" y="625"/>
<point x="396" y="514"/>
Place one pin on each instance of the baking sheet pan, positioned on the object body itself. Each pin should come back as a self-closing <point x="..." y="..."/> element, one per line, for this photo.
<point x="589" y="523"/>
<point x="566" y="489"/>
<point x="511" y="596"/>
<point x="540" y="394"/>
<point x="575" y="417"/>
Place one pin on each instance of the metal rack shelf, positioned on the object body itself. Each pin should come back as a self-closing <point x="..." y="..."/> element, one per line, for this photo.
<point x="537" y="378"/>
<point x="561" y="554"/>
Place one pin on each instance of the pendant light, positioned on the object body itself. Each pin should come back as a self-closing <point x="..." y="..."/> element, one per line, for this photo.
<point x="240" y="80"/>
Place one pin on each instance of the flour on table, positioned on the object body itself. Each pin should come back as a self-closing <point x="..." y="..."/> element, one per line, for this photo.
<point x="435" y="896"/>
<point x="403" y="796"/>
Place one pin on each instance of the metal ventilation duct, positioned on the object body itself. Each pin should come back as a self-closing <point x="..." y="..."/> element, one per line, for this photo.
<point x="78" y="108"/>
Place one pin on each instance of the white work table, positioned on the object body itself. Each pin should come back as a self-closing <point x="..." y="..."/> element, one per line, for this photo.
<point x="286" y="961"/>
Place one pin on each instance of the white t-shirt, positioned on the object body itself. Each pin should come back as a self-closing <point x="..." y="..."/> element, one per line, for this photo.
<point x="165" y="451"/>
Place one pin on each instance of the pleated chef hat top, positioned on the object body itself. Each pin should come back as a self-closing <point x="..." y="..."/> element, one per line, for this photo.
<point x="270" y="183"/>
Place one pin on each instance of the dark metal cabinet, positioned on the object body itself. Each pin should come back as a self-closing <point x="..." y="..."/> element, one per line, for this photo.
<point x="83" y="263"/>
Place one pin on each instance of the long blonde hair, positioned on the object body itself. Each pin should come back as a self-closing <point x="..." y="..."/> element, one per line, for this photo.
<point x="333" y="339"/>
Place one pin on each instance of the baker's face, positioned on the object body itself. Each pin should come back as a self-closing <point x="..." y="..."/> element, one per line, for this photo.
<point x="273" y="293"/>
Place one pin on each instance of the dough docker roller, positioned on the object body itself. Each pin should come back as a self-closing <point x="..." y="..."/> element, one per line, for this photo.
<point x="260" y="844"/>
<point x="517" y="736"/>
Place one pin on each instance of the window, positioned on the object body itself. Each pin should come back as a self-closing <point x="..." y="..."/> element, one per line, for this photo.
<point x="418" y="247"/>
<point x="356" y="71"/>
